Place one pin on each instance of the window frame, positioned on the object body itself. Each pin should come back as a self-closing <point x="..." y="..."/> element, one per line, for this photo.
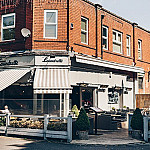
<point x="45" y="23"/>
<point x="85" y="31"/>
<point x="106" y="38"/>
<point x="128" y="46"/>
<point x="140" y="49"/>
<point x="140" y="82"/>
<point x="117" y="42"/>
<point x="7" y="27"/>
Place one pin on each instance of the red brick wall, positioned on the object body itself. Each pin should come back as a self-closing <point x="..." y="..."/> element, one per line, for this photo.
<point x="20" y="10"/>
<point x="38" y="25"/>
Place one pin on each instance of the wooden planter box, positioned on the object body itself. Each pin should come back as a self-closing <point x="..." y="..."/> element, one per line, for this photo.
<point x="25" y="131"/>
<point x="56" y="134"/>
<point x="137" y="134"/>
<point x="2" y="129"/>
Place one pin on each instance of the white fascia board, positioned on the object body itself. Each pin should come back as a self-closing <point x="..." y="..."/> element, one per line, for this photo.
<point x="107" y="64"/>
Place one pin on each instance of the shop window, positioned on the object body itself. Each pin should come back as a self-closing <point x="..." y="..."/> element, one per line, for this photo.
<point x="84" y="30"/>
<point x="117" y="41"/>
<point x="105" y="37"/>
<point x="140" y="82"/>
<point x="128" y="38"/>
<point x="8" y="27"/>
<point x="139" y="49"/>
<point x="50" y="24"/>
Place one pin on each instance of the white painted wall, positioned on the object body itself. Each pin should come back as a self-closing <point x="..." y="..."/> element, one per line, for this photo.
<point x="99" y="78"/>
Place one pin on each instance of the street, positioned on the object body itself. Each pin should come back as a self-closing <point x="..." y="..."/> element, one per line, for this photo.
<point x="14" y="143"/>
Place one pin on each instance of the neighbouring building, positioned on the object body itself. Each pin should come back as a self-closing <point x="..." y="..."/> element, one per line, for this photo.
<point x="70" y="52"/>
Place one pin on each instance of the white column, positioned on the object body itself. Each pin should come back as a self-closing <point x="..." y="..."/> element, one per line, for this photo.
<point x="60" y="103"/>
<point x="67" y="104"/>
<point x="34" y="104"/>
<point x="42" y="103"/>
<point x="64" y="105"/>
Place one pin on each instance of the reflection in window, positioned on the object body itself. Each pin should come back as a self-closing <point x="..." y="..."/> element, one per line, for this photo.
<point x="8" y="27"/>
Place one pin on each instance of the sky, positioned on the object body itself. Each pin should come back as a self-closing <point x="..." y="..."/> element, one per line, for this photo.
<point x="133" y="10"/>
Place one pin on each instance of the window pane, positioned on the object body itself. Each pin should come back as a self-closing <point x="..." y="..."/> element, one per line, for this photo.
<point x="119" y="37"/>
<point x="139" y="45"/>
<point x="8" y="21"/>
<point x="116" y="48"/>
<point x="8" y="34"/>
<point x="83" y="37"/>
<point x="105" y="43"/>
<point x="83" y="24"/>
<point x="50" y="17"/>
<point x="127" y="40"/>
<point x="114" y="35"/>
<point x="105" y="32"/>
<point x="50" y="30"/>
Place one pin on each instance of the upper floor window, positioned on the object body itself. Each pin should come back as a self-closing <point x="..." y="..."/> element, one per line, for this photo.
<point x="128" y="45"/>
<point x="105" y="37"/>
<point x="8" y="27"/>
<point x="117" y="41"/>
<point x="84" y="30"/>
<point x="139" y="49"/>
<point x="50" y="24"/>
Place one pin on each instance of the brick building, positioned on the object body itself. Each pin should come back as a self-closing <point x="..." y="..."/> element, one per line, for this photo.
<point x="77" y="53"/>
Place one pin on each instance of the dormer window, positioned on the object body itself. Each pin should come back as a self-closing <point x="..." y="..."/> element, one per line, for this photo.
<point x="8" y="27"/>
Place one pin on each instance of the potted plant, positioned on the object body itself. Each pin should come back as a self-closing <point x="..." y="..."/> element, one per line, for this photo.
<point x="82" y="125"/>
<point x="137" y="124"/>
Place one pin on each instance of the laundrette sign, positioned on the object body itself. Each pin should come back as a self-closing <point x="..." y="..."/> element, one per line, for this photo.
<point x="49" y="60"/>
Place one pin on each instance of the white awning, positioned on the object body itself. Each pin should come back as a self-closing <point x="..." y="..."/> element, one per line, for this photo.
<point x="9" y="77"/>
<point x="54" y="80"/>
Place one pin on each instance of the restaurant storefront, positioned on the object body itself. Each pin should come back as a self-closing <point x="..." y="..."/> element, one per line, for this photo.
<point x="39" y="83"/>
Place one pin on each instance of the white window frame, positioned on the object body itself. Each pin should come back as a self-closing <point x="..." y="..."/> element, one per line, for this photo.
<point x="140" y="49"/>
<point x="128" y="45"/>
<point x="8" y="27"/>
<point x="116" y="41"/>
<point x="106" y="38"/>
<point x="85" y="31"/>
<point x="55" y="11"/>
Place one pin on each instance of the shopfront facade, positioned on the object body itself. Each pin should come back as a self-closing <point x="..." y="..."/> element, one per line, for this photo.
<point x="38" y="83"/>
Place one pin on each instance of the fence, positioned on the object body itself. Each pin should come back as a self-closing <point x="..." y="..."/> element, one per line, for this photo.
<point x="146" y="128"/>
<point x="45" y="133"/>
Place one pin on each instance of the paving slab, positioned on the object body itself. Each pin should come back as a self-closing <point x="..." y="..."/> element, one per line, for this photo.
<point x="108" y="137"/>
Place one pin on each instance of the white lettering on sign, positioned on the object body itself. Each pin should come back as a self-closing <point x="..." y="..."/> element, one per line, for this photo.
<point x="49" y="59"/>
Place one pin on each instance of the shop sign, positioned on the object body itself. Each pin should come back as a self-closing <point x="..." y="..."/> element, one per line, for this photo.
<point x="113" y="97"/>
<point x="17" y="61"/>
<point x="48" y="60"/>
<point x="9" y="62"/>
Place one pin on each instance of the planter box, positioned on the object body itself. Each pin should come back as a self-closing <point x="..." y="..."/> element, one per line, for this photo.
<point x="56" y="134"/>
<point x="2" y="129"/>
<point x="25" y="131"/>
<point x="137" y="134"/>
<point x="83" y="135"/>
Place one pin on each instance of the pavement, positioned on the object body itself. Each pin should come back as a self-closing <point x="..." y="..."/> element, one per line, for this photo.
<point x="108" y="137"/>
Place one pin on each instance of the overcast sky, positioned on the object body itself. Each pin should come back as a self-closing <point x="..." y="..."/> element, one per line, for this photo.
<point x="133" y="10"/>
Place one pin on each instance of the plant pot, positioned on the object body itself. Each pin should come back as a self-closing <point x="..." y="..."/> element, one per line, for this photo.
<point x="83" y="135"/>
<point x="137" y="134"/>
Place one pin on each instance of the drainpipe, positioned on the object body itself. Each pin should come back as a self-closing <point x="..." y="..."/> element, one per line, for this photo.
<point x="102" y="17"/>
<point x="134" y="63"/>
<point x="96" y="15"/>
<point x="67" y="48"/>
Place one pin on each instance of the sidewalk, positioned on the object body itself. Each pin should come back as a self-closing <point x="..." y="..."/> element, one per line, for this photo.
<point x="109" y="138"/>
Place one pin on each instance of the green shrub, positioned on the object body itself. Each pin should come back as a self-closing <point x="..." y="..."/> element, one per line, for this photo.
<point x="2" y="121"/>
<point x="82" y="123"/>
<point x="57" y="126"/>
<point x="137" y="120"/>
